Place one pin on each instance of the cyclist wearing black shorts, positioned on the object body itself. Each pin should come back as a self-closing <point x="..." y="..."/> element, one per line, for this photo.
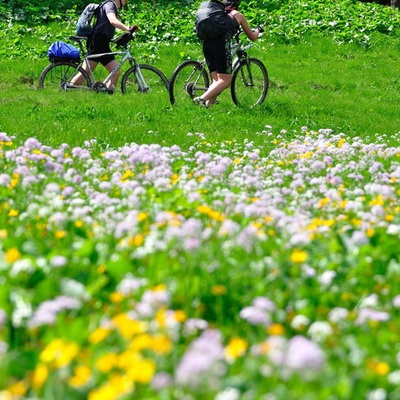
<point x="217" y="52"/>
<point x="104" y="30"/>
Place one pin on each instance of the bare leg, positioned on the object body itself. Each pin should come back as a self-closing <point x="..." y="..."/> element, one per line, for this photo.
<point x="113" y="81"/>
<point x="78" y="78"/>
<point x="219" y="84"/>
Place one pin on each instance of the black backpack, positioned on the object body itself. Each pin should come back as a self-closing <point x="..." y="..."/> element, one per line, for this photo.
<point x="211" y="20"/>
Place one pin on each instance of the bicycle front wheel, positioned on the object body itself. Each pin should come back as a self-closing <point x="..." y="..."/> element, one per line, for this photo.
<point x="58" y="76"/>
<point x="250" y="82"/>
<point x="189" y="80"/>
<point x="149" y="80"/>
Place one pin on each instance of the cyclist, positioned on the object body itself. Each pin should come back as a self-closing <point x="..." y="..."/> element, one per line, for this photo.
<point x="104" y="30"/>
<point x="217" y="52"/>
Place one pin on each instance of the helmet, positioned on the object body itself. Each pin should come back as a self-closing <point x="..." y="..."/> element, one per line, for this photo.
<point x="232" y="3"/>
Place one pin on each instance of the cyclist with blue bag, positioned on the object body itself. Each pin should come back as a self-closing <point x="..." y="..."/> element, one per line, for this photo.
<point x="99" y="41"/>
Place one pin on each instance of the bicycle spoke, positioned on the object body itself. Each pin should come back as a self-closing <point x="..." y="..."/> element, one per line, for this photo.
<point x="58" y="76"/>
<point x="249" y="83"/>
<point x="150" y="81"/>
<point x="189" y="80"/>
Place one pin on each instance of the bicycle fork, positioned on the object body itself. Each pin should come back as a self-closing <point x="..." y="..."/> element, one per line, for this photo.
<point x="245" y="72"/>
<point x="143" y="87"/>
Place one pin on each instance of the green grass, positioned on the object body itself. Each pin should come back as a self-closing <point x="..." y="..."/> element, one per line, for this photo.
<point x="316" y="83"/>
<point x="312" y="224"/>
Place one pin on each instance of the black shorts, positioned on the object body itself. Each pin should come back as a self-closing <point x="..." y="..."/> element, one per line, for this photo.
<point x="99" y="43"/>
<point x="217" y="52"/>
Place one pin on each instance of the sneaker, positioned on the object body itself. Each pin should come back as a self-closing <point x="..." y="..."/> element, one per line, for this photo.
<point x="110" y="90"/>
<point x="200" y="102"/>
<point x="68" y="86"/>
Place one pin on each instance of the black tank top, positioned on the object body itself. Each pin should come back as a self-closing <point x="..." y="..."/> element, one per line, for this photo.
<point x="233" y="26"/>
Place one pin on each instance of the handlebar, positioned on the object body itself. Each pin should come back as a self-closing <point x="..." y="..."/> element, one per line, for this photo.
<point x="124" y="38"/>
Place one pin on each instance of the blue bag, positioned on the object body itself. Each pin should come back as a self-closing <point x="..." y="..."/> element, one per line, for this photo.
<point x="62" y="50"/>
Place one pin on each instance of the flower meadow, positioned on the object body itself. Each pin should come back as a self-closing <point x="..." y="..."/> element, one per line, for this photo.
<point x="226" y="271"/>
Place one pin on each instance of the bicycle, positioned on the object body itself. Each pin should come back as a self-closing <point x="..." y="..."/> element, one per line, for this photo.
<point x="139" y="77"/>
<point x="249" y="84"/>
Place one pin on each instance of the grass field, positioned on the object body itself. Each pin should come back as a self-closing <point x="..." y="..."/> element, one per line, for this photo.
<point x="157" y="252"/>
<point x="317" y="84"/>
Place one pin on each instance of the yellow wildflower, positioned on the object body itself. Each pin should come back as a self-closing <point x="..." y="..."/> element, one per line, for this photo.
<point x="12" y="255"/>
<point x="236" y="348"/>
<point x="99" y="335"/>
<point x="159" y="288"/>
<point x="174" y="178"/>
<point x="13" y="213"/>
<point x="18" y="389"/>
<point x="107" y="362"/>
<point x="116" y="297"/>
<point x="40" y="375"/>
<point x="59" y="353"/>
<point x="382" y="368"/>
<point x="161" y="344"/>
<point x="117" y="386"/>
<point x="127" y="174"/>
<point x="323" y="202"/>
<point x="60" y="234"/>
<point x="127" y="358"/>
<point x="142" y="371"/>
<point x="101" y="269"/>
<point x="141" y="342"/>
<point x="218" y="290"/>
<point x="136" y="241"/>
<point x="161" y="317"/>
<point x="180" y="316"/>
<point x="142" y="216"/>
<point x="127" y="326"/>
<point x="378" y="201"/>
<point x="81" y="376"/>
<point x="370" y="232"/>
<point x="298" y="256"/>
<point x="276" y="329"/>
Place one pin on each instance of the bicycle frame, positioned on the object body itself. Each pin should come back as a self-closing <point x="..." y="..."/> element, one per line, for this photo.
<point x="126" y="56"/>
<point x="87" y="58"/>
<point x="192" y="77"/>
<point x="66" y="74"/>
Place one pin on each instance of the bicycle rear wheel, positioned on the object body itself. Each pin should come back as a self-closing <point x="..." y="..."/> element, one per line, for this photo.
<point x="189" y="80"/>
<point x="250" y="82"/>
<point x="58" y="76"/>
<point x="155" y="82"/>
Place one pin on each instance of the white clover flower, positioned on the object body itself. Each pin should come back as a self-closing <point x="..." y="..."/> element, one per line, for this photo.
<point x="228" y="394"/>
<point x="23" y="265"/>
<point x="299" y="321"/>
<point x="338" y="314"/>
<point x="326" y="277"/>
<point x="74" y="289"/>
<point x="377" y="394"/>
<point x="369" y="301"/>
<point x="22" y="309"/>
<point x="320" y="330"/>
<point x="394" y="377"/>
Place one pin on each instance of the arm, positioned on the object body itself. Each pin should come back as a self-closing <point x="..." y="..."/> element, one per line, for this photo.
<point x="116" y="23"/>
<point x="251" y="34"/>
